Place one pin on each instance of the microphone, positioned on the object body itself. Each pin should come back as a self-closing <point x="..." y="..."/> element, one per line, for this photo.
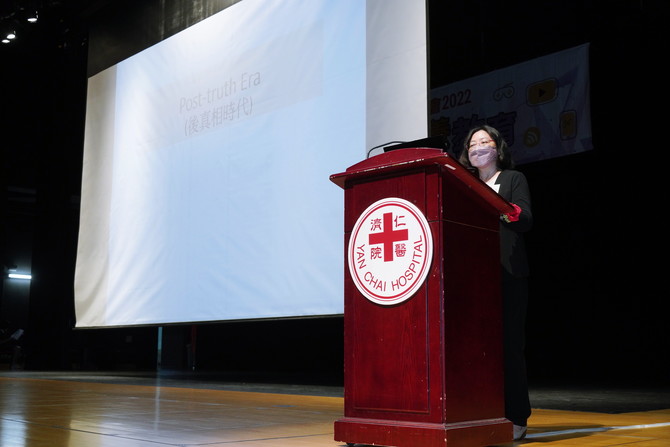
<point x="383" y="145"/>
<point x="436" y="142"/>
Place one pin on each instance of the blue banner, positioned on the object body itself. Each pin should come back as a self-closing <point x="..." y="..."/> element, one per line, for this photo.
<point x="542" y="106"/>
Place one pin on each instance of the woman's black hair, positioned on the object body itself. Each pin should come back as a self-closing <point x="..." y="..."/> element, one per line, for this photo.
<point x="504" y="159"/>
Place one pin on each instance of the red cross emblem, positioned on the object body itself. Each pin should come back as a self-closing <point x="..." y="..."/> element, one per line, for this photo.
<point x="388" y="236"/>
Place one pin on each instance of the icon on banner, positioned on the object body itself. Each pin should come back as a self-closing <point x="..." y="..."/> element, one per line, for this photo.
<point x="541" y="92"/>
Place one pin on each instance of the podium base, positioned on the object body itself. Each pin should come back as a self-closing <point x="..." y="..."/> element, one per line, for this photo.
<point x="382" y="432"/>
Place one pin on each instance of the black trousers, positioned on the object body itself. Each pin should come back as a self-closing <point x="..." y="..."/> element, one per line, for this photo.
<point x="515" y="304"/>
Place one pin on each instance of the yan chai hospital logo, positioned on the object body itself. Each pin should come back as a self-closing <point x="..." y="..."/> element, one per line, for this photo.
<point x="390" y="251"/>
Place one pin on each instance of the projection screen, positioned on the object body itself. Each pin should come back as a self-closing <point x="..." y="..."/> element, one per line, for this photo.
<point x="205" y="185"/>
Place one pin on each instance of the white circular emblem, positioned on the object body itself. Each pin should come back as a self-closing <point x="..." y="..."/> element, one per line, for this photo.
<point x="390" y="251"/>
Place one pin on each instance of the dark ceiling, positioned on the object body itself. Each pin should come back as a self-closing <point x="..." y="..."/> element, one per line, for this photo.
<point x="57" y="21"/>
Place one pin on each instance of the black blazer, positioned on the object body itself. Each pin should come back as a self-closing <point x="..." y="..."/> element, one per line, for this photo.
<point x="514" y="189"/>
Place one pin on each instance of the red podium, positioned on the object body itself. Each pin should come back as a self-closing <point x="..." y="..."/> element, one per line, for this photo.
<point x="424" y="370"/>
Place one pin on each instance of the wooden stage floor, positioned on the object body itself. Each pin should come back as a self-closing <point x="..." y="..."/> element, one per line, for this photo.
<point x="90" y="411"/>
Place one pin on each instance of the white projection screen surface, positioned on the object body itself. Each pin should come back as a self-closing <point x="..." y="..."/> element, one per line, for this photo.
<point x="205" y="185"/>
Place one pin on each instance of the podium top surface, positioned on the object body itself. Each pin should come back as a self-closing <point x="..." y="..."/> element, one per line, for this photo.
<point x="402" y="159"/>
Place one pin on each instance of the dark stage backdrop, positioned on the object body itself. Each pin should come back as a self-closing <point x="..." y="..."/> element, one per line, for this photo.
<point x="597" y="289"/>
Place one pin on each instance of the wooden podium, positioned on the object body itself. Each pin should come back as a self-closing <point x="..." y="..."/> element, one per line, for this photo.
<point x="427" y="371"/>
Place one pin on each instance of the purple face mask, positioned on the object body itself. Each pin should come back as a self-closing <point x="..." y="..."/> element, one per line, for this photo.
<point x="482" y="156"/>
